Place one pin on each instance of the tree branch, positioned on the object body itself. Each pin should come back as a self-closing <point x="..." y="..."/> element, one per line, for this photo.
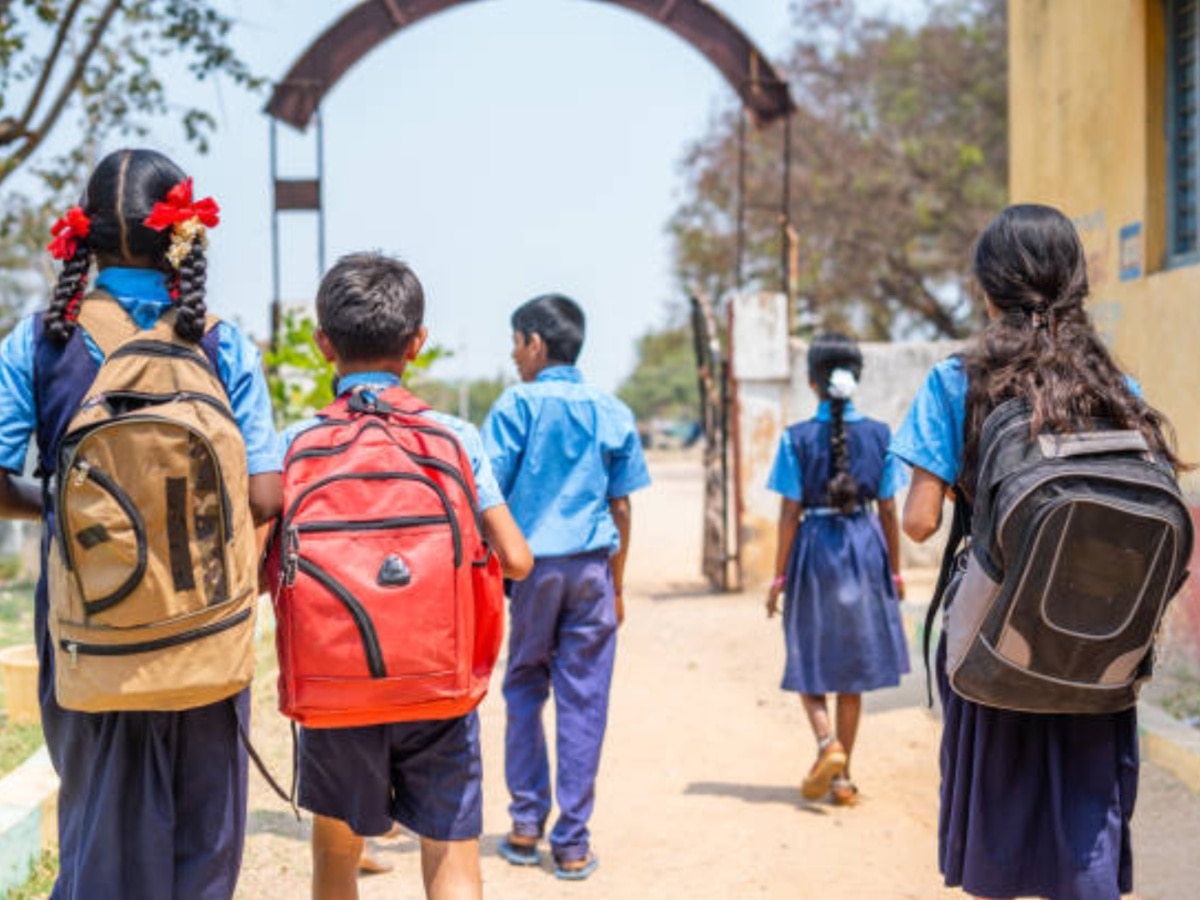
<point x="35" y="138"/>
<point x="60" y="38"/>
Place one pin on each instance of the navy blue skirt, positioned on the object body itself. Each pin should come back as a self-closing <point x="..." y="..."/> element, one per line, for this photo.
<point x="841" y="617"/>
<point x="1035" y="805"/>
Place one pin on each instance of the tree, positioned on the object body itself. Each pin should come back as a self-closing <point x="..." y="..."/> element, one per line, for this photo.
<point x="97" y="64"/>
<point x="663" y="382"/>
<point x="899" y="160"/>
<point x="99" y="58"/>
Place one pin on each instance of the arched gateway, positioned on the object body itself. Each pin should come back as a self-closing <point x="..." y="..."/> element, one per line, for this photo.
<point x="765" y="98"/>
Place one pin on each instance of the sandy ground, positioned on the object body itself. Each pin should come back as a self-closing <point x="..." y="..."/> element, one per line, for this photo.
<point x="697" y="796"/>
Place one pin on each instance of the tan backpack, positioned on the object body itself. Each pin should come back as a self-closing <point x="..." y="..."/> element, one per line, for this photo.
<point x="152" y="569"/>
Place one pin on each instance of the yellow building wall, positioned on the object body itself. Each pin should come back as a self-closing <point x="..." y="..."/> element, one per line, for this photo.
<point x="1087" y="105"/>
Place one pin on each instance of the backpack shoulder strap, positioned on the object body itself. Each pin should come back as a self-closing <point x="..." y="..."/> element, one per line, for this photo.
<point x="959" y="528"/>
<point x="106" y="322"/>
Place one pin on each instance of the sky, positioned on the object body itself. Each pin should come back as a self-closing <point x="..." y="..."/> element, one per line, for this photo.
<point x="503" y="149"/>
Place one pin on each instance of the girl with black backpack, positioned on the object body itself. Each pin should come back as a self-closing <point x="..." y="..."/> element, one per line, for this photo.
<point x="1032" y="804"/>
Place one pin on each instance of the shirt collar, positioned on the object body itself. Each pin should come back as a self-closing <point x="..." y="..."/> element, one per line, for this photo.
<point x="850" y="414"/>
<point x="142" y="293"/>
<point x="560" y="373"/>
<point x="383" y="380"/>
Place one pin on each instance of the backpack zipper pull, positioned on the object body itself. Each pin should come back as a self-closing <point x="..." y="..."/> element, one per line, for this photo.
<point x="291" y="557"/>
<point x="73" y="650"/>
<point x="82" y="468"/>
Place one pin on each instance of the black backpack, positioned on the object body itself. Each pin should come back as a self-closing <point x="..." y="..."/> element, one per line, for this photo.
<point x="1077" y="544"/>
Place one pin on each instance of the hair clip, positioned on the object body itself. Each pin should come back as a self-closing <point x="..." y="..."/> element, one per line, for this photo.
<point x="68" y="231"/>
<point x="188" y="220"/>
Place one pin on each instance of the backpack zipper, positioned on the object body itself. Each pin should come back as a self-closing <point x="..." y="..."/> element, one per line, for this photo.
<point x="362" y="621"/>
<point x="162" y="349"/>
<point x="383" y="476"/>
<point x="80" y="472"/>
<point x="419" y="458"/>
<point x="75" y="648"/>
<point x="77" y="437"/>
<point x="216" y="404"/>
<point x="372" y="524"/>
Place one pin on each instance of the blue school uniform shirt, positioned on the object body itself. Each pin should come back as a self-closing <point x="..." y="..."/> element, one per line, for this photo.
<point x="788" y="470"/>
<point x="931" y="436"/>
<point x="561" y="450"/>
<point x="143" y="294"/>
<point x="486" y="489"/>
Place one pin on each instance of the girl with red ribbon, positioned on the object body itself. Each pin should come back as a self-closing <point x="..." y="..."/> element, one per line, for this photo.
<point x="152" y="804"/>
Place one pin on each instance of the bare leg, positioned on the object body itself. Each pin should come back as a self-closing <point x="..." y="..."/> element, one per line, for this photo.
<point x="451" y="870"/>
<point x="336" y="850"/>
<point x="818" y="715"/>
<point x="849" y="711"/>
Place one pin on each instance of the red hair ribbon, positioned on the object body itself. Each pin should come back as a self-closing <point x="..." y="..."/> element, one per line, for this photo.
<point x="72" y="227"/>
<point x="179" y="207"/>
<point x="71" y="313"/>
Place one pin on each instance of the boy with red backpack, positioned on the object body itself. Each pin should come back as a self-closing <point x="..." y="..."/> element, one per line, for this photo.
<point x="389" y="603"/>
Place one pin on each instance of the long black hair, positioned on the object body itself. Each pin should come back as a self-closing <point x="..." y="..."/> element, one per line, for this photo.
<point x="827" y="354"/>
<point x="119" y="196"/>
<point x="1041" y="346"/>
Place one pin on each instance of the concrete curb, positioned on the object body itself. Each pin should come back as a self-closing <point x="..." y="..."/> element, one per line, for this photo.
<point x="28" y="817"/>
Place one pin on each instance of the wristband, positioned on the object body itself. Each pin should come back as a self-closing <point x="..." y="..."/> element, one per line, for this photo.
<point x="897" y="580"/>
<point x="780" y="581"/>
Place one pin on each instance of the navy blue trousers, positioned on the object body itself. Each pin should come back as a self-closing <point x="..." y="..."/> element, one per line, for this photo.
<point x="563" y="635"/>
<point x="152" y="805"/>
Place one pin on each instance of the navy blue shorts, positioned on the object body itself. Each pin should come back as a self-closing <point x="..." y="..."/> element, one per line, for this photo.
<point x="425" y="775"/>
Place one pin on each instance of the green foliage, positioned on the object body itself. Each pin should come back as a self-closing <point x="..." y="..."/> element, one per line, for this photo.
<point x="899" y="160"/>
<point x="663" y="382"/>
<point x="98" y="60"/>
<point x="17" y="743"/>
<point x="300" y="379"/>
<point x="91" y="66"/>
<point x="41" y="880"/>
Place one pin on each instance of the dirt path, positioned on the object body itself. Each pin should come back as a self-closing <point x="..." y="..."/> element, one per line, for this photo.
<point x="697" y="796"/>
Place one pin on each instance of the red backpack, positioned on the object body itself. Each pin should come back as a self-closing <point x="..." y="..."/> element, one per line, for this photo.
<point x="389" y="605"/>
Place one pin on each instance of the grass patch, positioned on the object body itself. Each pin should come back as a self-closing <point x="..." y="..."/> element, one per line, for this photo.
<point x="17" y="743"/>
<point x="40" y="881"/>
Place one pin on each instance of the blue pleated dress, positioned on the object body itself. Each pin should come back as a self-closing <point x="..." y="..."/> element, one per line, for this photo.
<point x="841" y="617"/>
<point x="1031" y="805"/>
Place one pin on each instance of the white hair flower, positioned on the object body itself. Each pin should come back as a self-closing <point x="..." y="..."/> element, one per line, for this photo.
<point x="842" y="384"/>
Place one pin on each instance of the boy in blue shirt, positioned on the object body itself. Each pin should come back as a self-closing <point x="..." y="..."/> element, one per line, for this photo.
<point x="567" y="457"/>
<point x="425" y="775"/>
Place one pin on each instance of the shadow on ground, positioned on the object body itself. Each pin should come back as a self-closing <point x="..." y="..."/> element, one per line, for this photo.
<point x="684" y="590"/>
<point x="787" y="795"/>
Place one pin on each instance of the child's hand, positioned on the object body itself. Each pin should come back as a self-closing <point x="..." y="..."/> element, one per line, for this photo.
<point x="773" y="600"/>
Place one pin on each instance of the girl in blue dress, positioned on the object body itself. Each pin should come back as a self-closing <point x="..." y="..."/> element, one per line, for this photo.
<point x="1031" y="805"/>
<point x="837" y="562"/>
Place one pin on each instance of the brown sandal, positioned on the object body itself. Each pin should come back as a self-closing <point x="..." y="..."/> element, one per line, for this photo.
<point x="830" y="763"/>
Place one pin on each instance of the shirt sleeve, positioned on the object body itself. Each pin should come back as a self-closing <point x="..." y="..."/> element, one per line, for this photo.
<point x="895" y="478"/>
<point x="240" y="366"/>
<point x="18" y="414"/>
<point x="486" y="489"/>
<point x="627" y="470"/>
<point x="505" y="431"/>
<point x="931" y="436"/>
<point x="785" y="472"/>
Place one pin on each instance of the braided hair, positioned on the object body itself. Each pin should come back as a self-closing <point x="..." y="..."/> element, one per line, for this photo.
<point x="1040" y="345"/>
<point x="119" y="196"/>
<point x="827" y="354"/>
